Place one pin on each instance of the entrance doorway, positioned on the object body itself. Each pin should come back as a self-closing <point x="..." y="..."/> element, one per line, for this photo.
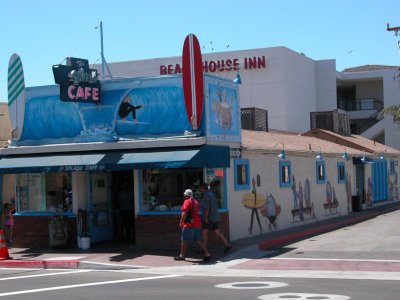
<point x="123" y="206"/>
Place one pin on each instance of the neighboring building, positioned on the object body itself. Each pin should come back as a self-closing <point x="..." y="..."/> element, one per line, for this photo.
<point x="291" y="86"/>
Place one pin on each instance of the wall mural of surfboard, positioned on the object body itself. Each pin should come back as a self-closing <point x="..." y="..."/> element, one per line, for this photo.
<point x="16" y="95"/>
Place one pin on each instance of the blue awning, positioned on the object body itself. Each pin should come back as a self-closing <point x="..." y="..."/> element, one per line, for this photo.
<point x="200" y="157"/>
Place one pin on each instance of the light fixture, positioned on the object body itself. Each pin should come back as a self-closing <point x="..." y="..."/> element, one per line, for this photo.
<point x="282" y="154"/>
<point x="345" y="156"/>
<point x="319" y="156"/>
<point x="237" y="80"/>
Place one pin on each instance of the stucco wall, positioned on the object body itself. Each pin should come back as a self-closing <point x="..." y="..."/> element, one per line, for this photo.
<point x="303" y="167"/>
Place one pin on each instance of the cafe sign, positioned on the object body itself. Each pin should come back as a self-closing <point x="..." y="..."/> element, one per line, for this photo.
<point x="78" y="83"/>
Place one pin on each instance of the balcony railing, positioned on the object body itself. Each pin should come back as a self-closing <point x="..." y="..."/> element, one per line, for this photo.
<point x="360" y="104"/>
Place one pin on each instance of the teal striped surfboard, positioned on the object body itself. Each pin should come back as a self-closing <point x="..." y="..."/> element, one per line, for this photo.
<point x="16" y="95"/>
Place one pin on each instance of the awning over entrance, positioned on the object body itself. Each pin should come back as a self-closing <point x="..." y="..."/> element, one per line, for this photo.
<point x="200" y="157"/>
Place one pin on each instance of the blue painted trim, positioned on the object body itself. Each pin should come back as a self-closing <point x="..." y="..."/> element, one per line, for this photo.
<point x="225" y="192"/>
<point x="238" y="162"/>
<point x="339" y="165"/>
<point x="43" y="214"/>
<point x="319" y="163"/>
<point x="285" y="163"/>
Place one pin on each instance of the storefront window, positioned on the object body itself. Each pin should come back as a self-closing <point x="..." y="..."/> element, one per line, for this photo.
<point x="216" y="180"/>
<point x="39" y="192"/>
<point x="162" y="190"/>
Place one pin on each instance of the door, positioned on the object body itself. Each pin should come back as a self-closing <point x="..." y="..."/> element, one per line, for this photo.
<point x="123" y="205"/>
<point x="100" y="208"/>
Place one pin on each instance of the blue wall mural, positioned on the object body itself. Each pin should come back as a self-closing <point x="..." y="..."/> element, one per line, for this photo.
<point x="129" y="109"/>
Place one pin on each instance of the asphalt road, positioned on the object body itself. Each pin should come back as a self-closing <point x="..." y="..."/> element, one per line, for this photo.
<point x="357" y="262"/>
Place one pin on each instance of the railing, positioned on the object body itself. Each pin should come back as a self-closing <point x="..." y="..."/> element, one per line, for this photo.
<point x="360" y="104"/>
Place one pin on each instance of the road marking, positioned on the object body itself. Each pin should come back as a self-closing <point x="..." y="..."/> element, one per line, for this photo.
<point x="251" y="285"/>
<point x="62" y="287"/>
<point x="302" y="296"/>
<point x="335" y="259"/>
<point x="42" y="275"/>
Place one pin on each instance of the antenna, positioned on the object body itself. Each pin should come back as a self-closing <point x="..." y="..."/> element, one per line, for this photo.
<point x="103" y="59"/>
<point x="395" y="29"/>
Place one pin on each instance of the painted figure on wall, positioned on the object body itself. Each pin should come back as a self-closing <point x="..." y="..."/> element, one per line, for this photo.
<point x="254" y="201"/>
<point x="348" y="192"/>
<point x="126" y="109"/>
<point x="368" y="196"/>
<point x="271" y="210"/>
<point x="331" y="203"/>
<point x="222" y="107"/>
<point x="393" y="188"/>
<point x="303" y="208"/>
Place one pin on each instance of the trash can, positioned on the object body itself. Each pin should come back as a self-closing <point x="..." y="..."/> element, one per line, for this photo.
<point x="356" y="203"/>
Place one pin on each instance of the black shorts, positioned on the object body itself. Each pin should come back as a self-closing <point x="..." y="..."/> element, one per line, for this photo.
<point x="210" y="225"/>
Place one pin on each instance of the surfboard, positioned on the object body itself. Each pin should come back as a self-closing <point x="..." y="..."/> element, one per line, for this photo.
<point x="253" y="200"/>
<point x="192" y="77"/>
<point x="16" y="95"/>
<point x="131" y="122"/>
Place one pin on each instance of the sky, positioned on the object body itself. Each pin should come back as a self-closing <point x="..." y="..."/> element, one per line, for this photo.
<point x="44" y="32"/>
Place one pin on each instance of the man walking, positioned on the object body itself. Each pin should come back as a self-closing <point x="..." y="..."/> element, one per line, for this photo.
<point x="211" y="217"/>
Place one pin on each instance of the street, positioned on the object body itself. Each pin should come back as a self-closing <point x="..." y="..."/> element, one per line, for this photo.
<point x="356" y="262"/>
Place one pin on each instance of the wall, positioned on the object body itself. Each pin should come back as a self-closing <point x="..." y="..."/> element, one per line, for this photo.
<point x="303" y="168"/>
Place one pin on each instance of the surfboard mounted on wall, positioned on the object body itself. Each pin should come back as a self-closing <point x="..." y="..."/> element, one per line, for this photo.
<point x="192" y="76"/>
<point x="16" y="95"/>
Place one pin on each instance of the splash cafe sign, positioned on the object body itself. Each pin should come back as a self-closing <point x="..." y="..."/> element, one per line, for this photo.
<point x="77" y="81"/>
<point x="212" y="66"/>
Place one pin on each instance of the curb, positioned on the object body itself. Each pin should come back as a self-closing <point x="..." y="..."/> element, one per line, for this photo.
<point x="279" y="241"/>
<point x="40" y="264"/>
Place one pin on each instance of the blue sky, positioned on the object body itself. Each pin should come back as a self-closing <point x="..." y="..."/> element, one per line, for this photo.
<point x="44" y="32"/>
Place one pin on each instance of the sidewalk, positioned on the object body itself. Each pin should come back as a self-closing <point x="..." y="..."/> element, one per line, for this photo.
<point x="112" y="255"/>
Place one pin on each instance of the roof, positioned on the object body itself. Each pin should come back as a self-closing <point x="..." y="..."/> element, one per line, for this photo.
<point x="370" y="68"/>
<point x="353" y="141"/>
<point x="274" y="141"/>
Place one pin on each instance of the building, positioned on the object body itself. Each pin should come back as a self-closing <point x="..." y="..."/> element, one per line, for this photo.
<point x="290" y="86"/>
<point x="124" y="146"/>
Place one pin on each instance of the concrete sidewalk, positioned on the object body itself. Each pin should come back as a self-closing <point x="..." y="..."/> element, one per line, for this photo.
<point x="113" y="255"/>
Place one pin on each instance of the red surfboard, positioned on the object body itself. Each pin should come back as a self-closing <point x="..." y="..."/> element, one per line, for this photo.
<point x="192" y="76"/>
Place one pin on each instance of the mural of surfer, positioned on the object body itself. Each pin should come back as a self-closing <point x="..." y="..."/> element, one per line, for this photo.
<point x="331" y="203"/>
<point x="223" y="109"/>
<point x="271" y="210"/>
<point x="254" y="202"/>
<point x="126" y="108"/>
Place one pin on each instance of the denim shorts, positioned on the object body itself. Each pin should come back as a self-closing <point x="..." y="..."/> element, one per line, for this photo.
<point x="210" y="225"/>
<point x="191" y="234"/>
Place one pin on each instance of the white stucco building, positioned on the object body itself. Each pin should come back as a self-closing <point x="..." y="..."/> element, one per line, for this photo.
<point x="290" y="86"/>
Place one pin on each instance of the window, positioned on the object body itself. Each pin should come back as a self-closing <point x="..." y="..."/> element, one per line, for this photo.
<point x="321" y="176"/>
<point x="242" y="174"/>
<point x="216" y="179"/>
<point x="39" y="192"/>
<point x="341" y="168"/>
<point x="392" y="167"/>
<point x="285" y="173"/>
<point x="162" y="189"/>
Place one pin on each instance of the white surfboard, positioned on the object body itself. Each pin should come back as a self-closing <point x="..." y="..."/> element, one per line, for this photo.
<point x="16" y="95"/>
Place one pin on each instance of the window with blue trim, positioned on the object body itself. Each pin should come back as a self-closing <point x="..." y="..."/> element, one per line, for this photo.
<point x="392" y="167"/>
<point x="321" y="172"/>
<point x="341" y="170"/>
<point x="242" y="174"/>
<point x="285" y="173"/>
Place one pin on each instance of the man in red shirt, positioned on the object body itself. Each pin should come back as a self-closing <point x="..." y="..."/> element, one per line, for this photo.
<point x="190" y="223"/>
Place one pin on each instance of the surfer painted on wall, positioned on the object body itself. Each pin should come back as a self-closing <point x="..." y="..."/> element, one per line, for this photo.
<point x="127" y="108"/>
